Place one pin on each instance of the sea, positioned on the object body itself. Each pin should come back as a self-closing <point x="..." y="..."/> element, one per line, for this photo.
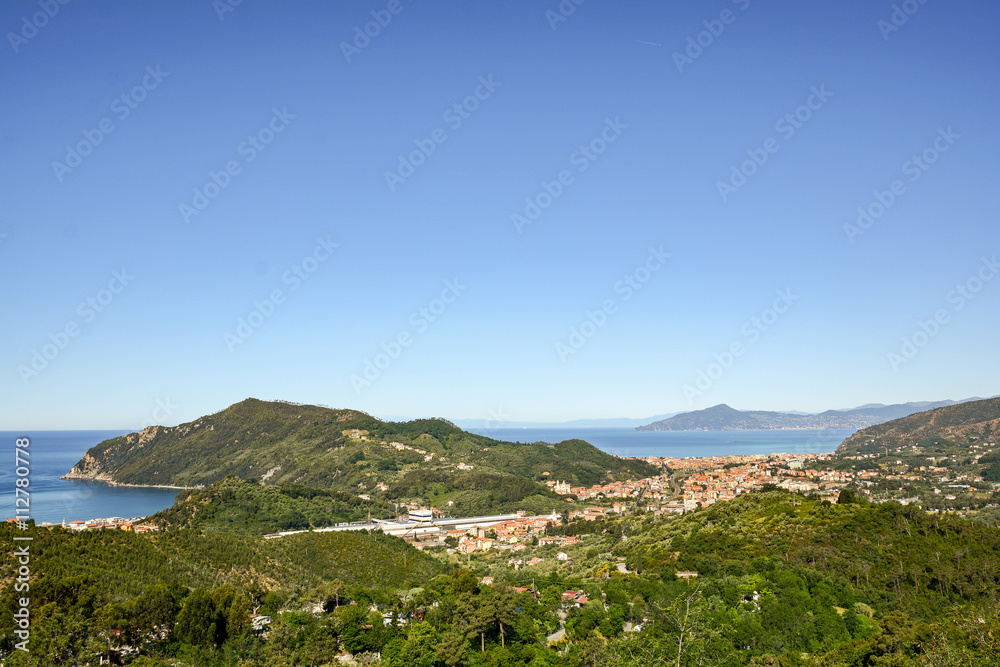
<point x="623" y="441"/>
<point x="53" y="453"/>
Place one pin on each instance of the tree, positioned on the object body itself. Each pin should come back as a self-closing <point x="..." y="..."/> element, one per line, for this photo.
<point x="331" y="594"/>
<point x="238" y="616"/>
<point x="694" y="636"/>
<point x="357" y="634"/>
<point x="451" y="649"/>
<point x="551" y="597"/>
<point x="847" y="497"/>
<point x="197" y="620"/>
<point x="417" y="650"/>
<point x="502" y="608"/>
<point x="322" y="644"/>
<point x="471" y="619"/>
<point x="157" y="609"/>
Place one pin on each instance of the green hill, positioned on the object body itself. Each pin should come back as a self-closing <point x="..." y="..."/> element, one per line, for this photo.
<point x="961" y="424"/>
<point x="279" y="443"/>
<point x="815" y="583"/>
<point x="886" y="555"/>
<point x="237" y="506"/>
<point x="125" y="564"/>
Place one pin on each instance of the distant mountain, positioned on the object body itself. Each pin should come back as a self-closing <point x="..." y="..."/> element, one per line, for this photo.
<point x="717" y="418"/>
<point x="724" y="418"/>
<point x="887" y="412"/>
<point x="617" y="422"/>
<point x="979" y="419"/>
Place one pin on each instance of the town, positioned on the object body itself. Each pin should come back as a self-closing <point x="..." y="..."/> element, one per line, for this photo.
<point x="904" y="474"/>
<point x="110" y="523"/>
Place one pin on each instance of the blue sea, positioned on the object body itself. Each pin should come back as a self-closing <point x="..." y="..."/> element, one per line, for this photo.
<point x="680" y="444"/>
<point x="53" y="453"/>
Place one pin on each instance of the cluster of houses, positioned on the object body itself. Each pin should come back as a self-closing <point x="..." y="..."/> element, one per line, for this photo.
<point x="512" y="533"/>
<point x="731" y="479"/>
<point x="110" y="523"/>
<point x="632" y="489"/>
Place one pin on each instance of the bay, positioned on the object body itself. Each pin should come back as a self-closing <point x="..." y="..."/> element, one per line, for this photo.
<point x="627" y="442"/>
<point x="51" y="454"/>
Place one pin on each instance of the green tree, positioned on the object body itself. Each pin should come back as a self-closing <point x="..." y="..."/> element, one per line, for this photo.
<point x="197" y="622"/>
<point x="452" y="649"/>
<point x="418" y="649"/>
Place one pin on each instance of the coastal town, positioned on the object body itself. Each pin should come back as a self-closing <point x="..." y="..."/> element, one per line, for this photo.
<point x="906" y="474"/>
<point x="108" y="523"/>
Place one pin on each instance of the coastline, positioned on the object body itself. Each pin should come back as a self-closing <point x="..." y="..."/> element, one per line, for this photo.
<point x="110" y="482"/>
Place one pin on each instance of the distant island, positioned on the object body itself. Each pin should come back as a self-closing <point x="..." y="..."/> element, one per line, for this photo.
<point x="724" y="418"/>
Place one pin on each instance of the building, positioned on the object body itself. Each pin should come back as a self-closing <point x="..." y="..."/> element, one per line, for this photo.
<point x="421" y="515"/>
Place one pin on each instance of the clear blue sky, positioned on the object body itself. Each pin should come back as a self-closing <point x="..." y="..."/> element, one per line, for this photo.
<point x="186" y="94"/>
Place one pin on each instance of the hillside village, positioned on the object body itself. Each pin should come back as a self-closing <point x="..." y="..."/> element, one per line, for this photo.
<point x="901" y="473"/>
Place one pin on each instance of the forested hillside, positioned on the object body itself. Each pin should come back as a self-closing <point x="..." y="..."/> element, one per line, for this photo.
<point x="772" y="578"/>
<point x="285" y="443"/>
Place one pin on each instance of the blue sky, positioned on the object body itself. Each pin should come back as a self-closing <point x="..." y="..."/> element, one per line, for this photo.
<point x="268" y="165"/>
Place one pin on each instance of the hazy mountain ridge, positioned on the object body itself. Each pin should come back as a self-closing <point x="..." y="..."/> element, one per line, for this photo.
<point x="979" y="419"/>
<point x="724" y="418"/>
<point x="611" y="422"/>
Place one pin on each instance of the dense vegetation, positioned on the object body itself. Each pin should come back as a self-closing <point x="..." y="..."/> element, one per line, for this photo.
<point x="247" y="508"/>
<point x="887" y="555"/>
<point x="124" y="563"/>
<point x="782" y="579"/>
<point x="476" y="493"/>
<point x="87" y="583"/>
